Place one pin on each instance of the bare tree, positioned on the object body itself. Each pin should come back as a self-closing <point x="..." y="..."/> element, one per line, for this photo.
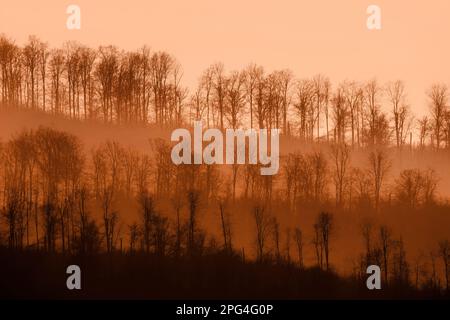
<point x="424" y="127"/>
<point x="235" y="98"/>
<point x="162" y="67"/>
<point x="87" y="60"/>
<point x="386" y="244"/>
<point x="226" y="226"/>
<point x="299" y="242"/>
<point x="375" y="125"/>
<point x="291" y="172"/>
<point x="400" y="270"/>
<point x="193" y="200"/>
<point x="341" y="157"/>
<point x="129" y="161"/>
<point x="43" y="58"/>
<point x="252" y="73"/>
<point x="340" y="114"/>
<point x="285" y="81"/>
<point x="106" y="72"/>
<point x="444" y="252"/>
<point x="106" y="175"/>
<point x="318" y="245"/>
<point x="353" y="94"/>
<point x="438" y="95"/>
<point x="416" y="187"/>
<point x="321" y="92"/>
<point x="134" y="234"/>
<point x="287" y="247"/>
<point x="262" y="222"/>
<point x="60" y="163"/>
<point x="367" y="233"/>
<point x="57" y="67"/>
<point x="161" y="234"/>
<point x="164" y="167"/>
<point x="13" y="201"/>
<point x="325" y="226"/>
<point x="147" y="217"/>
<point x="276" y="238"/>
<point x="72" y="68"/>
<point x="400" y="110"/>
<point x="206" y="87"/>
<point x="419" y="270"/>
<point x="409" y="187"/>
<point x="11" y="72"/>
<point x="219" y="85"/>
<point x="31" y="61"/>
<point x="430" y="182"/>
<point x="304" y="95"/>
<point x="319" y="170"/>
<point x="260" y="99"/>
<point x="379" y="166"/>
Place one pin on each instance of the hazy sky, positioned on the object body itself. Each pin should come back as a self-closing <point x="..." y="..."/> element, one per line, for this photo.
<point x="306" y="36"/>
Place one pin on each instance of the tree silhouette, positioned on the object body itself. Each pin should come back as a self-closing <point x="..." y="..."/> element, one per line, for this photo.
<point x="57" y="197"/>
<point x="438" y="96"/>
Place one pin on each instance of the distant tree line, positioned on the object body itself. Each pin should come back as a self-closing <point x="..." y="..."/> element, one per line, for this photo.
<point x="145" y="87"/>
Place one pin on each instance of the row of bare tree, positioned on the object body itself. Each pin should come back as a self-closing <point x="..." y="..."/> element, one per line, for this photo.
<point x="309" y="176"/>
<point x="388" y="252"/>
<point x="56" y="196"/>
<point x="84" y="83"/>
<point x="145" y="87"/>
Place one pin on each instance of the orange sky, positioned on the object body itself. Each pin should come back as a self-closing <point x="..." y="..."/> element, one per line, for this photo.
<point x="306" y="36"/>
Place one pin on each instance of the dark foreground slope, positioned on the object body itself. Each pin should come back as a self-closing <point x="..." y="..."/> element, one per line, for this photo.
<point x="38" y="275"/>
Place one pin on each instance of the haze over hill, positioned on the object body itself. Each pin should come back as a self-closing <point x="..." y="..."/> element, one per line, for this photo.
<point x="419" y="231"/>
